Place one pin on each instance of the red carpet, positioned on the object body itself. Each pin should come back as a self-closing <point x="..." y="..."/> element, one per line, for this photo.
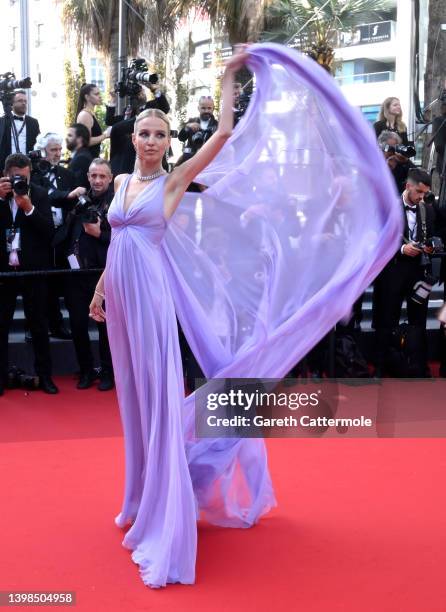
<point x="361" y="524"/>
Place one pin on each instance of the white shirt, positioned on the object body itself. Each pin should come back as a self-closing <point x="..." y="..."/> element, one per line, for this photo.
<point x="21" y="132"/>
<point x="411" y="216"/>
<point x="204" y="124"/>
<point x="14" y="208"/>
<point x="57" y="212"/>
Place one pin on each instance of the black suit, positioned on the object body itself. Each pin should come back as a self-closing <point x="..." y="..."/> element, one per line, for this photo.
<point x="36" y="231"/>
<point x="92" y="253"/>
<point x="58" y="189"/>
<point x="381" y="126"/>
<point x="395" y="284"/>
<point x="32" y="131"/>
<point x="122" y="152"/>
<point x="186" y="134"/>
<point x="79" y="166"/>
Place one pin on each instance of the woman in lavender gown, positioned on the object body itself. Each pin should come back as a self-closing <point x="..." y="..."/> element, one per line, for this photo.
<point x="241" y="309"/>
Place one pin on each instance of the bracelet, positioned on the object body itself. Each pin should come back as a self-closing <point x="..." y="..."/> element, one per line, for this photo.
<point x="100" y="294"/>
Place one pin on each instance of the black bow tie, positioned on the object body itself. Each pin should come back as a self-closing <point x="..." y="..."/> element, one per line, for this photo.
<point x="18" y="118"/>
<point x="411" y="208"/>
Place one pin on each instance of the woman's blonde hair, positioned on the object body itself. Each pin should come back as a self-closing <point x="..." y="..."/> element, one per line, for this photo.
<point x="152" y="112"/>
<point x="384" y="114"/>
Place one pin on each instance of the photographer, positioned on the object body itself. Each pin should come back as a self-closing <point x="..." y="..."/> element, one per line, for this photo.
<point x="26" y="230"/>
<point x="400" y="280"/>
<point x="63" y="193"/>
<point x="241" y="101"/>
<point x="86" y="247"/>
<point x="77" y="141"/>
<point x="397" y="157"/>
<point x="122" y="152"/>
<point x="198" y="130"/>
<point x="22" y="137"/>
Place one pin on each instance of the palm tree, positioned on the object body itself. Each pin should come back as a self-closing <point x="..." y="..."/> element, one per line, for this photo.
<point x="315" y="26"/>
<point x="96" y="22"/>
<point x="242" y="20"/>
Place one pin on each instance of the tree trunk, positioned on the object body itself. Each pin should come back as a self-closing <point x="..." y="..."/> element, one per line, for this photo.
<point x="112" y="60"/>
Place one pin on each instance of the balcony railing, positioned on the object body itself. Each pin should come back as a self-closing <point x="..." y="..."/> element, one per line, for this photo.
<point x="369" y="77"/>
<point x="379" y="31"/>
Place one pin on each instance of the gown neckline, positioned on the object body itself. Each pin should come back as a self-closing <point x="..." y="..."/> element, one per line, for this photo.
<point x="124" y="192"/>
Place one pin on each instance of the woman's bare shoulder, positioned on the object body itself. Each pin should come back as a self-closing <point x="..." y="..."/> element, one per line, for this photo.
<point x="85" y="118"/>
<point x="118" y="181"/>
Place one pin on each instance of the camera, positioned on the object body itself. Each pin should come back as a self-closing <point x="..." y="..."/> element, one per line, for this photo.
<point x="39" y="163"/>
<point x="423" y="288"/>
<point x="8" y="83"/>
<point x="20" y="185"/>
<point x="407" y="151"/>
<point x="197" y="139"/>
<point x="435" y="243"/>
<point x="131" y="77"/>
<point x="429" y="198"/>
<point x="86" y="210"/>
<point x="18" y="379"/>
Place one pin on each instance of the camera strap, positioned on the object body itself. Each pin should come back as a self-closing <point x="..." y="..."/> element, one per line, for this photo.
<point x="422" y="209"/>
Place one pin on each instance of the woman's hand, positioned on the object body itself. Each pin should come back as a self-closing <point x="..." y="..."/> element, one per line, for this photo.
<point x="238" y="59"/>
<point x="96" y="311"/>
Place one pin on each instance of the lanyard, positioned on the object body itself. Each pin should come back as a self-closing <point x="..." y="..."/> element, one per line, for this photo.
<point x="16" y="134"/>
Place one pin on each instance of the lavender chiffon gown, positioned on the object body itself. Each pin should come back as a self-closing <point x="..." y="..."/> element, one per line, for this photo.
<point x="299" y="216"/>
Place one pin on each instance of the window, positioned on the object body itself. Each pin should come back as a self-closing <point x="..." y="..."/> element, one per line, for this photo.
<point x="13" y="44"/>
<point x="370" y="113"/>
<point x="97" y="73"/>
<point x="39" y="34"/>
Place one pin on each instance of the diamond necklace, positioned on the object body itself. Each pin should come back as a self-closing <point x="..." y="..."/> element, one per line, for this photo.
<point x="150" y="177"/>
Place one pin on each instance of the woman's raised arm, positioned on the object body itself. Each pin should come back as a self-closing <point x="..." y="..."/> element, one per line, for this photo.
<point x="181" y="177"/>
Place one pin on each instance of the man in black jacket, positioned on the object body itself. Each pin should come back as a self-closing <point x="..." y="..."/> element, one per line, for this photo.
<point x="198" y="129"/>
<point x="78" y="138"/>
<point x="23" y="138"/>
<point x="122" y="151"/>
<point x="397" y="281"/>
<point x="60" y="185"/>
<point x="88" y="242"/>
<point x="26" y="230"/>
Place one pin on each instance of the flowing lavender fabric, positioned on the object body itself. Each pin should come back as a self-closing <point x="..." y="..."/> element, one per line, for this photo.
<point x="299" y="216"/>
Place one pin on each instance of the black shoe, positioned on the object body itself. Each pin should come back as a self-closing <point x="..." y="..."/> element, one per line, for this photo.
<point x="106" y="383"/>
<point x="61" y="332"/>
<point x="86" y="379"/>
<point x="46" y="383"/>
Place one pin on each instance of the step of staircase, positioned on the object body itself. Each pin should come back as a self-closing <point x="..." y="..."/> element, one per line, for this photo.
<point x="64" y="358"/>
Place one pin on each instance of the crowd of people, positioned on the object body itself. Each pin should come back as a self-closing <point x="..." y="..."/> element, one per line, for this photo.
<point x="54" y="218"/>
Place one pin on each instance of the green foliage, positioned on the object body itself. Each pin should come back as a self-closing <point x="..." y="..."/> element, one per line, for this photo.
<point x="315" y="25"/>
<point x="181" y="67"/>
<point x="73" y="84"/>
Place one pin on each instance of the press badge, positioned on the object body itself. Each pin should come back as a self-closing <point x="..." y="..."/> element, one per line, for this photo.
<point x="12" y="240"/>
<point x="73" y="261"/>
